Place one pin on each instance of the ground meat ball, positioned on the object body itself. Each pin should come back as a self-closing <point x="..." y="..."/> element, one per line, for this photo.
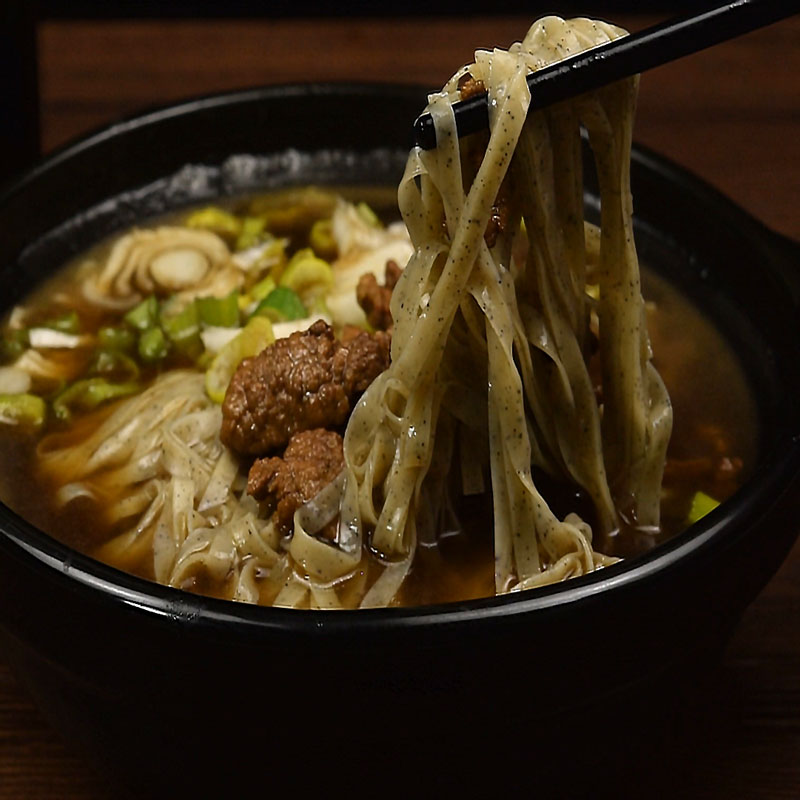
<point x="375" y="299"/>
<point x="367" y="355"/>
<point x="311" y="461"/>
<point x="498" y="222"/>
<point x="392" y="273"/>
<point x="307" y="380"/>
<point x="349" y="332"/>
<point x="468" y="86"/>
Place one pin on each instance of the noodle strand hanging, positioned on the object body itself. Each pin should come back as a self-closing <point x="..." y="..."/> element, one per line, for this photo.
<point x="540" y="401"/>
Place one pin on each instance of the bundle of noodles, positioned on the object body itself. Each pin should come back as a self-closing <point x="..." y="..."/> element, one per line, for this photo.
<point x="513" y="315"/>
<point x="157" y="470"/>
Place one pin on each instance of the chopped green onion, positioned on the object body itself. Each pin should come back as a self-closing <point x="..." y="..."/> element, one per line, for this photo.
<point x="251" y="232"/>
<point x="221" y="312"/>
<point x="89" y="393"/>
<point x="280" y="305"/>
<point x="702" y="504"/>
<point x="203" y="361"/>
<point x="183" y="324"/>
<point x="294" y="211"/>
<point x="114" y="364"/>
<point x="14" y="343"/>
<point x="183" y="331"/>
<point x="262" y="289"/>
<point x="153" y="345"/>
<point x="321" y="239"/>
<point x="190" y="346"/>
<point x="307" y="275"/>
<point x="122" y="340"/>
<point x="217" y="220"/>
<point x="144" y="315"/>
<point x="368" y="215"/>
<point x="252" y="339"/>
<point x="66" y="323"/>
<point x="26" y="410"/>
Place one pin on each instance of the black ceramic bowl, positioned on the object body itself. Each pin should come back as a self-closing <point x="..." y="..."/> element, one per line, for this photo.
<point x="172" y="692"/>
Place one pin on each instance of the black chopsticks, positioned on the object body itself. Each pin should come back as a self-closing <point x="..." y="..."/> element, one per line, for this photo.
<point x="621" y="58"/>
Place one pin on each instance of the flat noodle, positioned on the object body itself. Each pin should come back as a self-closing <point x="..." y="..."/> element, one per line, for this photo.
<point x="530" y="287"/>
<point x="162" y="472"/>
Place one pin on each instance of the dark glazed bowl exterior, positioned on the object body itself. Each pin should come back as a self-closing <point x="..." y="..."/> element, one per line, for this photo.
<point x="173" y="693"/>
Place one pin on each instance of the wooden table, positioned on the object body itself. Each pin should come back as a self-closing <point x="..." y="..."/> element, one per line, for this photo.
<point x="732" y="115"/>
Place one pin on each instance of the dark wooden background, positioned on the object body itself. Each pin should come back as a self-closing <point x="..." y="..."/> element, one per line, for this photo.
<point x="731" y="114"/>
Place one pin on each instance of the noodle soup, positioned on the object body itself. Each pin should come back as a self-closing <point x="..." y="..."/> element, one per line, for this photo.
<point x="288" y="402"/>
<point x="114" y="511"/>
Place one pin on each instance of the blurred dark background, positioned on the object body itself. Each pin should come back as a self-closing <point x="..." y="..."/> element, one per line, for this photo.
<point x="261" y="8"/>
<point x="27" y="31"/>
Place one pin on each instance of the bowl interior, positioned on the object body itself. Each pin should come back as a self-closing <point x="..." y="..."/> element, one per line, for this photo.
<point x="270" y="138"/>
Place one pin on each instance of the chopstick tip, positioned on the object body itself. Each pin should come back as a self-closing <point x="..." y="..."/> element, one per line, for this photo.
<point x="425" y="132"/>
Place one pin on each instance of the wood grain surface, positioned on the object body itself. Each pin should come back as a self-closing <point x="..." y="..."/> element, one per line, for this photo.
<point x="731" y="114"/>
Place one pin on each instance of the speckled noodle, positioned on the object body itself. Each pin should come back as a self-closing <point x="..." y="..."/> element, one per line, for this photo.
<point x="158" y="459"/>
<point x="515" y="317"/>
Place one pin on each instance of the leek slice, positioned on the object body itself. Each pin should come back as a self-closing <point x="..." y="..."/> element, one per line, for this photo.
<point x="702" y="504"/>
<point x="368" y="215"/>
<point x="217" y="220"/>
<point x="153" y="345"/>
<point x="322" y="241"/>
<point x="310" y="277"/>
<point x="114" y="365"/>
<point x="254" y="337"/>
<point x="183" y="330"/>
<point x="66" y="323"/>
<point x="219" y="312"/>
<point x="14" y="380"/>
<point x="250" y="234"/>
<point x="89" y="393"/>
<point x="53" y="339"/>
<point x="14" y="343"/>
<point x="144" y="315"/>
<point x="118" y="340"/>
<point x="280" y="305"/>
<point x="25" y="410"/>
<point x="261" y="290"/>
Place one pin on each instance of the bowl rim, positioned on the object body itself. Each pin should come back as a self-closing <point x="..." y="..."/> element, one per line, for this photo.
<point x="725" y="523"/>
<point x="160" y="112"/>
